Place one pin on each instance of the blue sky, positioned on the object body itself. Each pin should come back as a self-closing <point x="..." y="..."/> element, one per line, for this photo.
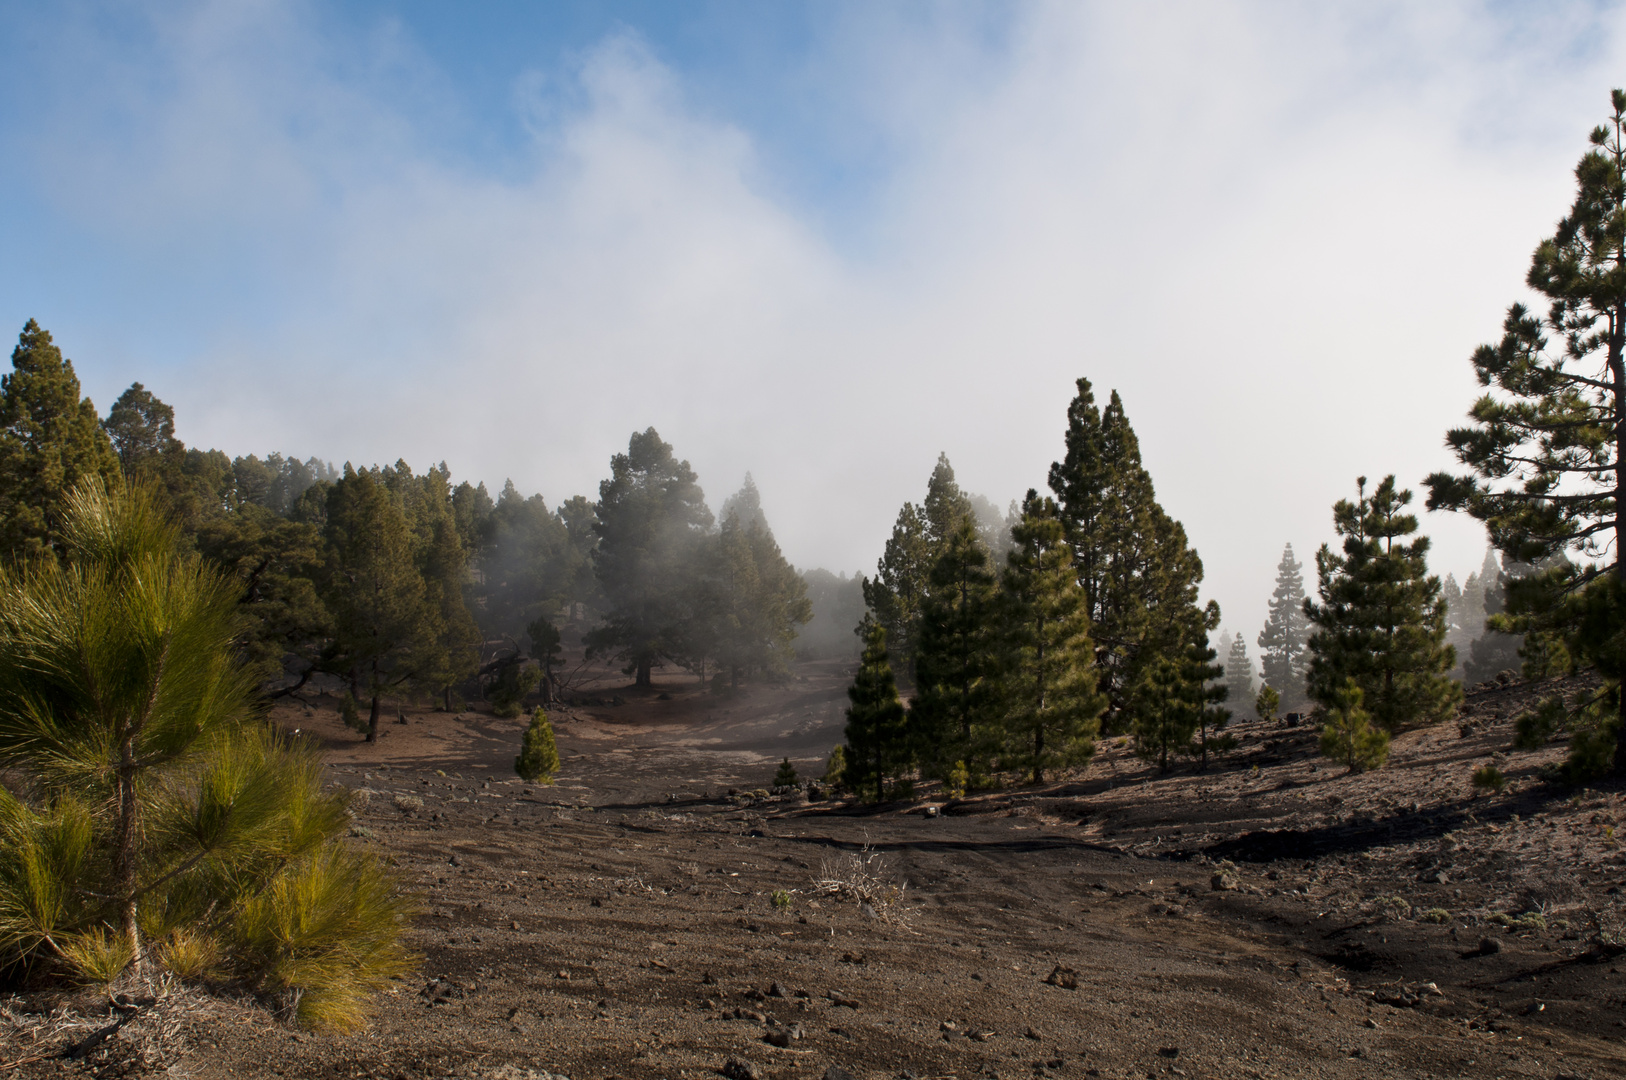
<point x="821" y="242"/>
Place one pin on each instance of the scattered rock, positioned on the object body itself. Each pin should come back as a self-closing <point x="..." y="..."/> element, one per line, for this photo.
<point x="1224" y="881"/>
<point x="443" y="991"/>
<point x="1064" y="977"/>
<point x="777" y="990"/>
<point x="1169" y="1052"/>
<point x="518" y="1072"/>
<point x="1034" y="1035"/>
<point x="735" y="1069"/>
<point x="841" y="1001"/>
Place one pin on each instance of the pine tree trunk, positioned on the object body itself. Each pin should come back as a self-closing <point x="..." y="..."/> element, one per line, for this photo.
<point x="644" y="666"/>
<point x="448" y="700"/>
<point x="1617" y="376"/>
<point x="372" y="715"/>
<point x="124" y="866"/>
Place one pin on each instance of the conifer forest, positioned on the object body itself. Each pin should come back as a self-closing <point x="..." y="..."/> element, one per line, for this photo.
<point x="362" y="769"/>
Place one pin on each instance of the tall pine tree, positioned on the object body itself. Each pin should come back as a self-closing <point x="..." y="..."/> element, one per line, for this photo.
<point x="877" y="735"/>
<point x="651" y="523"/>
<point x="1547" y="443"/>
<point x="1047" y="678"/>
<point x="1381" y="620"/>
<point x="754" y="599"/>
<point x="898" y="592"/>
<point x="1238" y="674"/>
<point x="1284" y="643"/>
<point x="382" y="618"/>
<point x="951" y="715"/>
<point x="50" y="439"/>
<point x="1139" y="575"/>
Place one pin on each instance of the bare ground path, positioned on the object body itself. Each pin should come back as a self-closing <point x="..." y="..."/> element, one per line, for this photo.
<point x="622" y="923"/>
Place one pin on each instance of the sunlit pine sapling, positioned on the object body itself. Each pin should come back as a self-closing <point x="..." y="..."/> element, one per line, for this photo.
<point x="1349" y="736"/>
<point x="538" y="758"/>
<point x="147" y="814"/>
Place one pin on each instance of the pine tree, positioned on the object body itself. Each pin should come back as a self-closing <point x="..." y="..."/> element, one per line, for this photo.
<point x="538" y="758"/>
<point x="50" y="439"/>
<point x="651" y="522"/>
<point x="1492" y="652"/>
<point x="1284" y="659"/>
<point x="1047" y="676"/>
<point x="951" y="717"/>
<point x="1348" y="735"/>
<point x="1238" y="673"/>
<point x="835" y="768"/>
<point x="877" y="735"/>
<point x="897" y="594"/>
<point x="754" y="600"/>
<point x="142" y="795"/>
<point x="141" y="428"/>
<point x="1545" y="449"/>
<point x="1381" y="620"/>
<point x="786" y="776"/>
<point x="1176" y="704"/>
<point x="449" y="651"/>
<point x="382" y="617"/>
<point x="546" y="650"/>
<point x="1139" y="575"/>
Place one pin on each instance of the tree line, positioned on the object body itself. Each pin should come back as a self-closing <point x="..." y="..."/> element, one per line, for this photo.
<point x="403" y="583"/>
<point x="1015" y="669"/>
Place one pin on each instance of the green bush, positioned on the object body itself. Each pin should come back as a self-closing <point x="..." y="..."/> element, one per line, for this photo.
<point x="780" y="899"/>
<point x="1435" y="915"/>
<point x="1489" y="777"/>
<point x="959" y="778"/>
<point x="158" y="820"/>
<point x="538" y="758"/>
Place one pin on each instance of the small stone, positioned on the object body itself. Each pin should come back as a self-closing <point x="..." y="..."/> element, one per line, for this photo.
<point x="836" y="1072"/>
<point x="1224" y="881"/>
<point x="1169" y="1052"/>
<point x="1064" y="977"/>
<point x="777" y="990"/>
<point x="1489" y="946"/>
<point x="736" y="1069"/>
<point x="1371" y="1023"/>
<point x="779" y="1037"/>
<point x="1034" y="1035"/>
<point x="842" y="1001"/>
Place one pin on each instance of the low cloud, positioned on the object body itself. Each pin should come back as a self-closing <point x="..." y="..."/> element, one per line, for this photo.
<point x="1278" y="233"/>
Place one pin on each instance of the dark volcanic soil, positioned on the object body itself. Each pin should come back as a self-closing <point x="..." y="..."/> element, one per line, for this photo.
<point x="1270" y="917"/>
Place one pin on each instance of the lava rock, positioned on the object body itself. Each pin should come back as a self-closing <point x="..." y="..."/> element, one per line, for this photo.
<point x="1064" y="977"/>
<point x="735" y="1069"/>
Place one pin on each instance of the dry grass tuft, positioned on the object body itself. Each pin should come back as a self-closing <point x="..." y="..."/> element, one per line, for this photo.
<point x="862" y="877"/>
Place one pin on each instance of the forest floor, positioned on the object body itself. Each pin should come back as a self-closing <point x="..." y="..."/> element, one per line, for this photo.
<point x="1270" y="917"/>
